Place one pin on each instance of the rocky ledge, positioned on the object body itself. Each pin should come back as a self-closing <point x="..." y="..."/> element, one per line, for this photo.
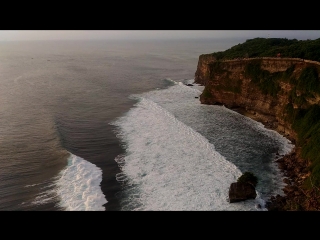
<point x="296" y="198"/>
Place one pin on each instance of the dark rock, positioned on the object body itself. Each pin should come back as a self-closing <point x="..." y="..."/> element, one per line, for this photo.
<point x="287" y="181"/>
<point x="297" y="193"/>
<point x="289" y="189"/>
<point x="189" y="84"/>
<point x="196" y="97"/>
<point x="218" y="103"/>
<point x="277" y="203"/>
<point x="241" y="191"/>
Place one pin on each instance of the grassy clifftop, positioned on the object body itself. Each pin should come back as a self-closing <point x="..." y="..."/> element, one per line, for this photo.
<point x="270" y="47"/>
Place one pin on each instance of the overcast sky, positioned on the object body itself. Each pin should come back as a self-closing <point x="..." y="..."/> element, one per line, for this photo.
<point x="18" y="35"/>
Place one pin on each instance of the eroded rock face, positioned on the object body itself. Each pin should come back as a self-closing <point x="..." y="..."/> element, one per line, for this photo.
<point x="203" y="68"/>
<point x="241" y="191"/>
<point x="227" y="83"/>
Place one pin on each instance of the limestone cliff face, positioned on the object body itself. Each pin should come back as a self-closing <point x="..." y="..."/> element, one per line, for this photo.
<point x="265" y="95"/>
<point x="203" y="68"/>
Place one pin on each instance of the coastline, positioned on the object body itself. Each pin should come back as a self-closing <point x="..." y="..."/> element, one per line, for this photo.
<point x="295" y="170"/>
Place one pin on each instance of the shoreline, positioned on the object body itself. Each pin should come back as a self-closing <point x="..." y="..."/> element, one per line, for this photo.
<point x="294" y="170"/>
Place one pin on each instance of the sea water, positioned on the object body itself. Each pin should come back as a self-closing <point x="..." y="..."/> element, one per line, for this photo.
<point x="104" y="126"/>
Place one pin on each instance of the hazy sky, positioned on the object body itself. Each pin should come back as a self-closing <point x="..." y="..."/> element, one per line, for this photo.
<point x="18" y="35"/>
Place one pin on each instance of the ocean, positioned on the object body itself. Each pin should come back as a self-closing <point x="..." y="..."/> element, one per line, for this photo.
<point x="112" y="126"/>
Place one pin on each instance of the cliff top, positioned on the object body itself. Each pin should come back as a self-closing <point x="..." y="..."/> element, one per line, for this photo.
<point x="273" y="47"/>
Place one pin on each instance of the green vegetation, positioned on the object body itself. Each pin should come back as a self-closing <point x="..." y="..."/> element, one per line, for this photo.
<point x="308" y="81"/>
<point x="305" y="119"/>
<point x="248" y="177"/>
<point x="217" y="67"/>
<point x="287" y="75"/>
<point x="270" y="47"/>
<point x="306" y="123"/>
<point x="266" y="81"/>
<point x="206" y="93"/>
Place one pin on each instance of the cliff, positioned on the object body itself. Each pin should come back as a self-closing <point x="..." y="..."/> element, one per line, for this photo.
<point x="284" y="94"/>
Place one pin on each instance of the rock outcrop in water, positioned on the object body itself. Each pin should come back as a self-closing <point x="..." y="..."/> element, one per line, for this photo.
<point x="241" y="191"/>
<point x="244" y="188"/>
<point x="283" y="94"/>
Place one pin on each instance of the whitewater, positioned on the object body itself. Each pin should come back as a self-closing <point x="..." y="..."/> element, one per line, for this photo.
<point x="171" y="162"/>
<point x="170" y="166"/>
<point x="74" y="138"/>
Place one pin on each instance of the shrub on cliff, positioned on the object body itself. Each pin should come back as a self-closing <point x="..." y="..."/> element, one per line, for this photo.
<point x="267" y="82"/>
<point x="206" y="93"/>
<point x="248" y="177"/>
<point x="308" y="80"/>
<point x="270" y="47"/>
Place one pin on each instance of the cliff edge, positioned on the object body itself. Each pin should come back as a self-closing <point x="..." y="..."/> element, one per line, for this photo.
<point x="283" y="94"/>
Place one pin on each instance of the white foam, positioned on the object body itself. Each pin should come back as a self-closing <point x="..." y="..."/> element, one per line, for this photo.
<point x="285" y="147"/>
<point x="285" y="144"/>
<point x="170" y="80"/>
<point x="43" y="198"/>
<point x="180" y="101"/>
<point x="78" y="186"/>
<point x="168" y="165"/>
<point x="33" y="185"/>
